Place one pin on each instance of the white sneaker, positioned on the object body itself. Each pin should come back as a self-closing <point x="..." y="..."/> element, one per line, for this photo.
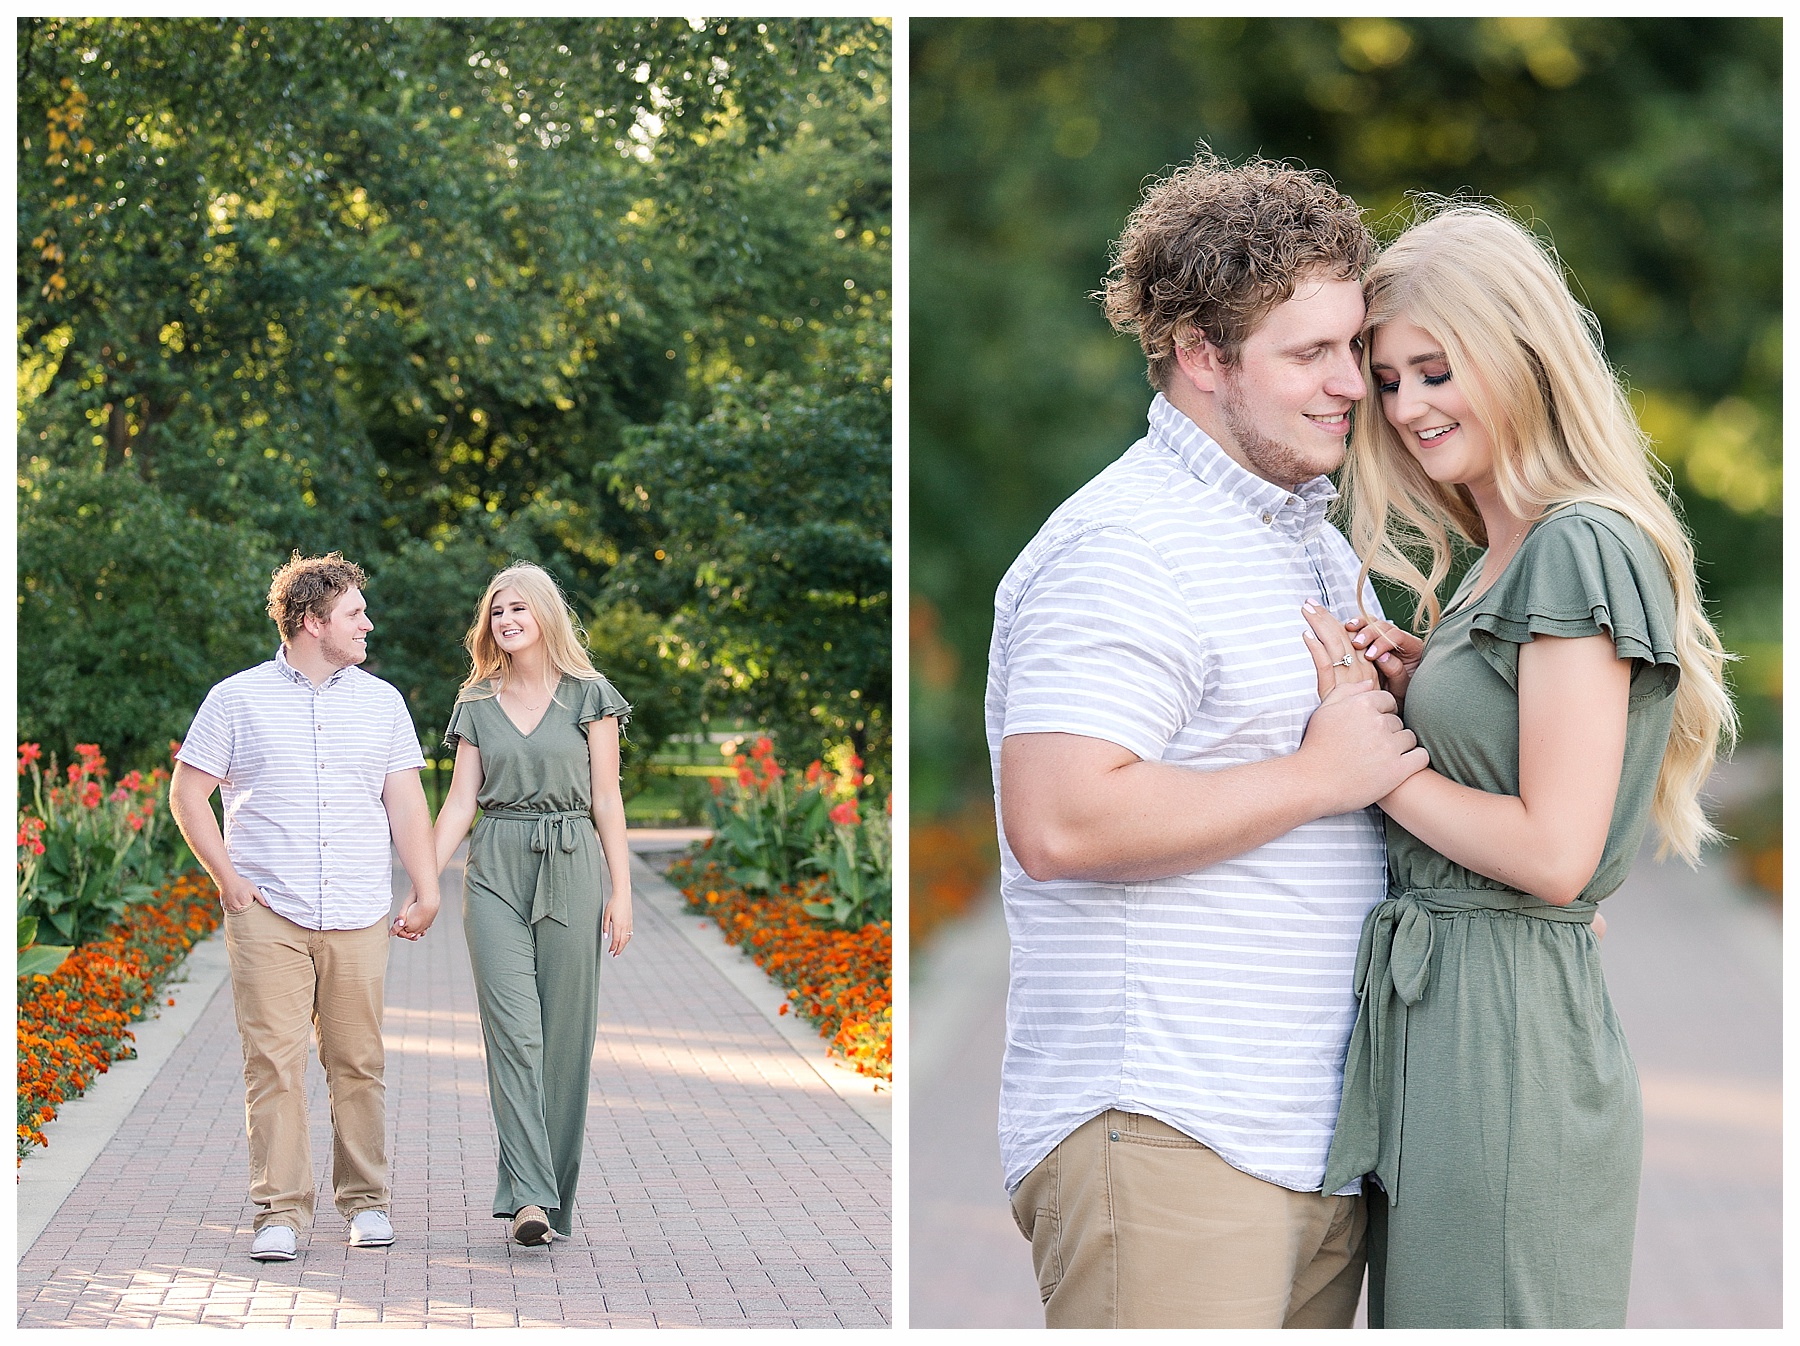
<point x="274" y="1243"/>
<point x="370" y="1229"/>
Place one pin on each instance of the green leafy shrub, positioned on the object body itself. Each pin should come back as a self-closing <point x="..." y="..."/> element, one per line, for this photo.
<point x="773" y="834"/>
<point x="88" y="849"/>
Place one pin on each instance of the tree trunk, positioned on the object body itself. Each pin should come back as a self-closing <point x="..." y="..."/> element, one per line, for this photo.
<point x="118" y="434"/>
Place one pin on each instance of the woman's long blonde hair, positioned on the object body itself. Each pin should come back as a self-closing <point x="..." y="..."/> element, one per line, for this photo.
<point x="1529" y="361"/>
<point x="490" y="666"/>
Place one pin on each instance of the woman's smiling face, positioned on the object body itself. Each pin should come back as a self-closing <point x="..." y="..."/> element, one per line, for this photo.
<point x="510" y="619"/>
<point x="1420" y="397"/>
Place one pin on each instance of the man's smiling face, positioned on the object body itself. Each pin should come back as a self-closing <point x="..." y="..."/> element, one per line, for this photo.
<point x="1285" y="405"/>
<point x="343" y="639"/>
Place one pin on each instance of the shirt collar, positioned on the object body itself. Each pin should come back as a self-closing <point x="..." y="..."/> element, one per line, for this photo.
<point x="294" y="675"/>
<point x="1299" y="512"/>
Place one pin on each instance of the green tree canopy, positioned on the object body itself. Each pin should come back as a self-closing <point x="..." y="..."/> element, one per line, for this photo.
<point x="402" y="287"/>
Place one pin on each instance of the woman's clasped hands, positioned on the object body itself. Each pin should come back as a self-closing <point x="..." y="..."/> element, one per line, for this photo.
<point x="1360" y="650"/>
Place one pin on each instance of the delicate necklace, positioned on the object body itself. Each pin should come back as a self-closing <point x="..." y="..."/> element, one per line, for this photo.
<point x="1514" y="537"/>
<point x="549" y="694"/>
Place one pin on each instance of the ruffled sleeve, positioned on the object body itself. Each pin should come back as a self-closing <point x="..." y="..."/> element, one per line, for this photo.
<point x="462" y="723"/>
<point x="1584" y="571"/>
<point x="599" y="698"/>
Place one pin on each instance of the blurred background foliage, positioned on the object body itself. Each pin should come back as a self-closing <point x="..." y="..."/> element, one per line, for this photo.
<point x="1649" y="150"/>
<point x="441" y="293"/>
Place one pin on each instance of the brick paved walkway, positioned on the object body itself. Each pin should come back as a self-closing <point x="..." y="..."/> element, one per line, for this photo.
<point x="1693" y="964"/>
<point x="725" y="1183"/>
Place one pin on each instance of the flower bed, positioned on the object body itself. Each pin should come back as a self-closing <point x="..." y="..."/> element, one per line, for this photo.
<point x="74" y="1023"/>
<point x="840" y="980"/>
<point x="954" y="859"/>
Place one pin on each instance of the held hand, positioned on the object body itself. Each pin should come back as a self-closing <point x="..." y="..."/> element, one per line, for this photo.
<point x="615" y="923"/>
<point x="237" y="893"/>
<point x="1395" y="652"/>
<point x="1337" y="662"/>
<point x="1357" y="747"/>
<point x="415" y="918"/>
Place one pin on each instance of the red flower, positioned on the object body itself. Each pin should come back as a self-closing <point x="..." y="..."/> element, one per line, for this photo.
<point x="174" y="747"/>
<point x="762" y="747"/>
<point x="844" y="815"/>
<point x="814" y="770"/>
<point x="90" y="795"/>
<point x="718" y="786"/>
<point x="132" y="780"/>
<point x="28" y="753"/>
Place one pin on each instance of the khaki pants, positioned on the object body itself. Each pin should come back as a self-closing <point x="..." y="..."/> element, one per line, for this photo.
<point x="287" y="980"/>
<point x="1133" y="1224"/>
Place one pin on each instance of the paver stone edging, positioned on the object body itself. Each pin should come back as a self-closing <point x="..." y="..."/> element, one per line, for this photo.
<point x="84" y="1125"/>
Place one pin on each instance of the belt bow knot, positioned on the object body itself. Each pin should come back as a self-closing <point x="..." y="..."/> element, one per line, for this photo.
<point x="1393" y="972"/>
<point x="551" y="895"/>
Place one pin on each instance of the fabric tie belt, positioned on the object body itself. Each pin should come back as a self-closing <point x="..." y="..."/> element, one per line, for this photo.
<point x="1393" y="970"/>
<point x="551" y="896"/>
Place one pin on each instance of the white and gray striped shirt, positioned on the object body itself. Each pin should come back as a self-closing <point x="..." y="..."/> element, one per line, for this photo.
<point x="1159" y="609"/>
<point x="303" y="768"/>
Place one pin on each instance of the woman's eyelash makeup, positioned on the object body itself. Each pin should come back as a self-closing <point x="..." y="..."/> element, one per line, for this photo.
<point x="1429" y="380"/>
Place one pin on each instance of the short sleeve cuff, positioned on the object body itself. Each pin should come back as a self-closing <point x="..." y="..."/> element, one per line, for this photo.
<point x="600" y="699"/>
<point x="1586" y="571"/>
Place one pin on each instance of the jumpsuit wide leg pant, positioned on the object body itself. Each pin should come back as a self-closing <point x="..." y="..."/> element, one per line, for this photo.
<point x="537" y="985"/>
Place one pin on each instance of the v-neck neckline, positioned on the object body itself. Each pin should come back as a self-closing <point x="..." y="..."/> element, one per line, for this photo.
<point x="1470" y="600"/>
<point x="527" y="733"/>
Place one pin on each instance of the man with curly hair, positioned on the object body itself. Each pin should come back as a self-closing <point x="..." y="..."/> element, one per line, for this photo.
<point x="318" y="767"/>
<point x="1187" y="847"/>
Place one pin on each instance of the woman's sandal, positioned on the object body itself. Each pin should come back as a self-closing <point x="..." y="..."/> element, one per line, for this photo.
<point x="531" y="1227"/>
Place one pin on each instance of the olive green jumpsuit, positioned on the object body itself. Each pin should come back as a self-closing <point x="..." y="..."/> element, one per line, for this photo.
<point x="1488" y="1086"/>
<point x="535" y="888"/>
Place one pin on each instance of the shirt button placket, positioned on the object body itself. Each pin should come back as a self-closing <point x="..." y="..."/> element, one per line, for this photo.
<point x="319" y="752"/>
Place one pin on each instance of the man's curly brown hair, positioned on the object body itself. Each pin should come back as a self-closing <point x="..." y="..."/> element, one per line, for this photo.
<point x="1213" y="247"/>
<point x="310" y="584"/>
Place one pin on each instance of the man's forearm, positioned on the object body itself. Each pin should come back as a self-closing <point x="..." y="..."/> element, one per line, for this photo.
<point x="409" y="820"/>
<point x="189" y="806"/>
<point x="1084" y="808"/>
<point x="1145" y="820"/>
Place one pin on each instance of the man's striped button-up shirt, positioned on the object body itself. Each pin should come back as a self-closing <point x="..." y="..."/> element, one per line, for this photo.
<point x="303" y="769"/>
<point x="1159" y="609"/>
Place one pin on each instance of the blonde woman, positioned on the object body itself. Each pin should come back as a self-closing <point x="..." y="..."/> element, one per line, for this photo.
<point x="536" y="733"/>
<point x="1569" y="691"/>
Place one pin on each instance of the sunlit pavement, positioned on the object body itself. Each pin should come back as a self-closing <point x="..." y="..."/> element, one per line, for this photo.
<point x="725" y="1183"/>
<point x="1693" y="963"/>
